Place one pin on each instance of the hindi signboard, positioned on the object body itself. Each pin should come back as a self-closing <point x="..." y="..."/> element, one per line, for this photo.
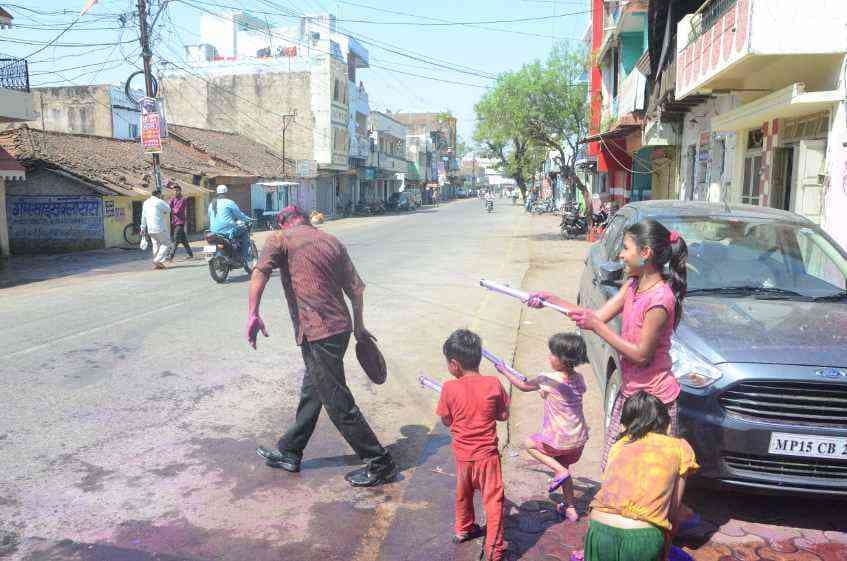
<point x="151" y="126"/>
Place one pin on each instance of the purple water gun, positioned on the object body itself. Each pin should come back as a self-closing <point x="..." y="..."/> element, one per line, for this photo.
<point x="495" y="361"/>
<point x="429" y="383"/>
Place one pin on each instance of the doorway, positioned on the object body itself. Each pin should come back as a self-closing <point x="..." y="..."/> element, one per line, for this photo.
<point x="783" y="171"/>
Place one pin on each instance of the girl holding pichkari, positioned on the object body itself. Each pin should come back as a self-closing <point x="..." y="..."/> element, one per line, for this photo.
<point x="650" y="305"/>
<point x="559" y="443"/>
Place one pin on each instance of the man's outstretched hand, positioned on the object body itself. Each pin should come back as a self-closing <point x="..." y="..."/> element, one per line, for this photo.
<point x="254" y="325"/>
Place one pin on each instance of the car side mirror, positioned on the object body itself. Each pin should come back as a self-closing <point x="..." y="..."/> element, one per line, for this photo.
<point x="610" y="273"/>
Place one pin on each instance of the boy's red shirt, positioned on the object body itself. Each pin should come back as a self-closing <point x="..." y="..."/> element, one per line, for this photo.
<point x="474" y="402"/>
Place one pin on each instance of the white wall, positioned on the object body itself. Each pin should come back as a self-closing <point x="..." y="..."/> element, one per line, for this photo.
<point x="835" y="195"/>
<point x="691" y="131"/>
<point x="791" y="27"/>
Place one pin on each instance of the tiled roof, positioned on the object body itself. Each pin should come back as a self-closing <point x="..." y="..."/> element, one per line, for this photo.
<point x="119" y="166"/>
<point x="236" y="150"/>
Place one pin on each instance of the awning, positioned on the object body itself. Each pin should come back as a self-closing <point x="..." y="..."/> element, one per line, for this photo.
<point x="792" y="101"/>
<point x="10" y="168"/>
<point x="620" y="131"/>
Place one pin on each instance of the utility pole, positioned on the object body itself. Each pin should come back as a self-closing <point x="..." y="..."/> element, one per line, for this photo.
<point x="286" y="120"/>
<point x="147" y="55"/>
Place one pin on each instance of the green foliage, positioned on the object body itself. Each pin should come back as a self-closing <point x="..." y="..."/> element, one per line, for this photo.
<point x="540" y="107"/>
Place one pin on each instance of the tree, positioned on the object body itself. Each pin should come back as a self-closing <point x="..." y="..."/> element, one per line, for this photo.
<point x="540" y="107"/>
<point x="556" y="113"/>
<point x="501" y="130"/>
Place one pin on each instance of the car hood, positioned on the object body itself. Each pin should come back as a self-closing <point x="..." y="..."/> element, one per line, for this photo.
<point x="730" y="329"/>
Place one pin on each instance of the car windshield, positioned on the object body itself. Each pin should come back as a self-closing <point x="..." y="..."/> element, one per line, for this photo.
<point x="769" y="258"/>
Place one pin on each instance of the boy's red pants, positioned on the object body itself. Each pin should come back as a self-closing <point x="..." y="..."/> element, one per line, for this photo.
<point x="484" y="475"/>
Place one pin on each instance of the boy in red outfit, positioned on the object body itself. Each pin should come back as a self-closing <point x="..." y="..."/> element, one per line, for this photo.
<point x="471" y="405"/>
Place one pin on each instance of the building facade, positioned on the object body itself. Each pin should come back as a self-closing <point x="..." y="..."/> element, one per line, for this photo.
<point x="15" y="107"/>
<point x="101" y="110"/>
<point x="257" y="80"/>
<point x="737" y="101"/>
<point x="440" y="130"/>
<point x="387" y="164"/>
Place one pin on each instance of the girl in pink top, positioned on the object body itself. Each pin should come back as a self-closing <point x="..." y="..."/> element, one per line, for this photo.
<point x="651" y="308"/>
<point x="563" y="432"/>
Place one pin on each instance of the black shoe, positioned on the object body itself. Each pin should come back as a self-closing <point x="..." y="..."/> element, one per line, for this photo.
<point x="274" y="459"/>
<point x="472" y="534"/>
<point x="364" y="477"/>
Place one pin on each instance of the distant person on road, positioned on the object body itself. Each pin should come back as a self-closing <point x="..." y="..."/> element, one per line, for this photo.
<point x="156" y="223"/>
<point x="224" y="218"/>
<point x="178" y="206"/>
<point x="316" y="272"/>
<point x="563" y="432"/>
<point x="640" y="501"/>
<point x="471" y="405"/>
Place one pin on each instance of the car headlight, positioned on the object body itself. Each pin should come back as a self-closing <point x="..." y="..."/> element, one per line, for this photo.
<point x="691" y="370"/>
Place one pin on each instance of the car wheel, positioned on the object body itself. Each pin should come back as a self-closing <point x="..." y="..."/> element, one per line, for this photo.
<point x="613" y="386"/>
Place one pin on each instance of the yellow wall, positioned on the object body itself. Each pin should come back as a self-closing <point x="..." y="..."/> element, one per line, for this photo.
<point x="118" y="213"/>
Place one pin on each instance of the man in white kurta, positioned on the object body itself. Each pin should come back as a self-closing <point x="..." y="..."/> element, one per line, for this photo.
<point x="156" y="222"/>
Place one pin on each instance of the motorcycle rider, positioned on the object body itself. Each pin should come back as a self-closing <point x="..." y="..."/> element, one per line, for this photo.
<point x="227" y="220"/>
<point x="489" y="200"/>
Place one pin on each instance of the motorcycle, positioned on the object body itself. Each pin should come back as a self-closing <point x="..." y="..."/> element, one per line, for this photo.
<point x="489" y="205"/>
<point x="574" y="224"/>
<point x="224" y="254"/>
<point x="377" y="207"/>
<point x="361" y="209"/>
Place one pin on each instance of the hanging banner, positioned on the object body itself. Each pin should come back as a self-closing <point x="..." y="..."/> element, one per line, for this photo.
<point x="151" y="126"/>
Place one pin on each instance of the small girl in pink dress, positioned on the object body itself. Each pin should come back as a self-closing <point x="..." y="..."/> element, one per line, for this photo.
<point x="563" y="431"/>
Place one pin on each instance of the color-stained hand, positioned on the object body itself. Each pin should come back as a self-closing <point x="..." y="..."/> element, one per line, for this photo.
<point x="536" y="299"/>
<point x="254" y="325"/>
<point x="585" y="319"/>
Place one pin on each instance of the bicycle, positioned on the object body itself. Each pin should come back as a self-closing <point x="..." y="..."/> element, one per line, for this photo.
<point x="132" y="234"/>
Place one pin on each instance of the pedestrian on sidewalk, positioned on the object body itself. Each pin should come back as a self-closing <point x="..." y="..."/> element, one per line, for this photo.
<point x="178" y="206"/>
<point x="650" y="306"/>
<point x="316" y="272"/>
<point x="156" y="223"/>
<point x="639" y="502"/>
<point x="471" y="405"/>
<point x="564" y="431"/>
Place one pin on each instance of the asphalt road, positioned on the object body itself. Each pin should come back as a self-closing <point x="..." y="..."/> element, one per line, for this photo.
<point x="132" y="404"/>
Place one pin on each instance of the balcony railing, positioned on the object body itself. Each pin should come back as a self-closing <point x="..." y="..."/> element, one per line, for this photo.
<point x="14" y="74"/>
<point x="707" y="16"/>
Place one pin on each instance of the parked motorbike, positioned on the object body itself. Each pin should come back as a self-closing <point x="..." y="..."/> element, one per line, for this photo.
<point x="362" y="209"/>
<point x="224" y="254"/>
<point x="377" y="207"/>
<point x="574" y="223"/>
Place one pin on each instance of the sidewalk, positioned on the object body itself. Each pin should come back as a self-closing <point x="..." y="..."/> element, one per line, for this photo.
<point x="533" y="529"/>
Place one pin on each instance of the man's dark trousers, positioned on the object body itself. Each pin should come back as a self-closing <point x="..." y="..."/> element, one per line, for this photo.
<point x="178" y="236"/>
<point x="324" y="385"/>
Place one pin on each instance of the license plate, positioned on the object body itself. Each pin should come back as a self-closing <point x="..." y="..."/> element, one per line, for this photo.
<point x="808" y="446"/>
<point x="209" y="249"/>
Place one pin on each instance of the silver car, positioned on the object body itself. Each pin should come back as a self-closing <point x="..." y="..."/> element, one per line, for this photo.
<point x="761" y="352"/>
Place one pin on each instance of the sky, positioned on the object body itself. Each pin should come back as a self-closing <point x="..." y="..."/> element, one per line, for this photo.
<point x="89" y="52"/>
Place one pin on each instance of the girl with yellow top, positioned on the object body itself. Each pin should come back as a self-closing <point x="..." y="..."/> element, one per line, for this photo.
<point x="642" y="486"/>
